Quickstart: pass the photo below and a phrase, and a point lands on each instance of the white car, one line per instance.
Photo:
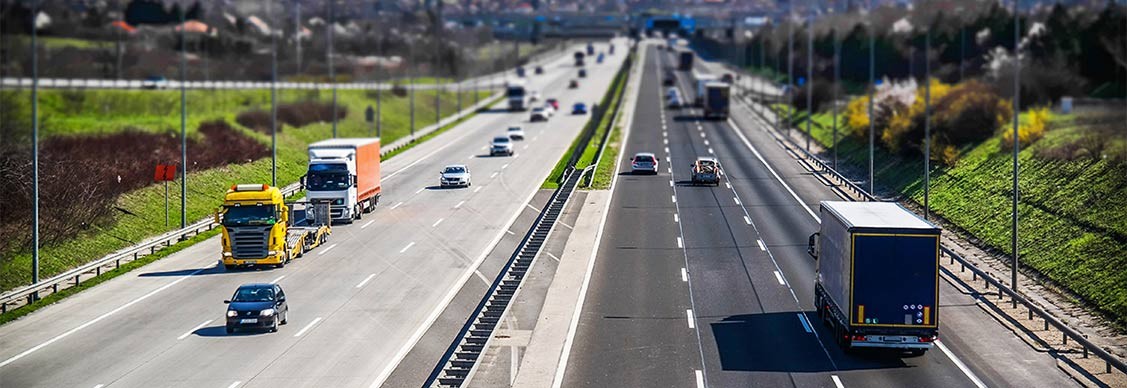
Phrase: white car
(644, 162)
(551, 110)
(455, 175)
(538, 114)
(516, 133)
(501, 145)
(674, 101)
(534, 96)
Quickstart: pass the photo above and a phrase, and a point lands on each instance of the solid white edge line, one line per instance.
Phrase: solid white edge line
(959, 363)
(366, 224)
(700, 378)
(561, 366)
(437, 222)
(779, 277)
(762, 246)
(98, 319)
(199, 326)
(736, 129)
(837, 381)
(307, 327)
(411, 244)
(365, 281)
(689, 316)
(684, 275)
(805, 325)
(326, 250)
(278, 279)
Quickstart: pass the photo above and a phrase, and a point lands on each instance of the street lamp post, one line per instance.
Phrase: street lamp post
(809, 79)
(273, 103)
(872, 87)
(1016, 144)
(927, 122)
(34, 147)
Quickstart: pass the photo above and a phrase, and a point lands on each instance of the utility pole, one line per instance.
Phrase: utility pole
(273, 100)
(297, 34)
(183, 127)
(837, 79)
(1016, 144)
(872, 87)
(927, 122)
(411, 86)
(332, 72)
(790, 68)
(809, 79)
(34, 146)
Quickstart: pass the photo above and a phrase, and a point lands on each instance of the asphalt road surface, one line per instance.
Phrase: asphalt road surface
(357, 304)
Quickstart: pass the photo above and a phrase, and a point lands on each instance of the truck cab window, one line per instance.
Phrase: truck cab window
(328, 177)
(249, 215)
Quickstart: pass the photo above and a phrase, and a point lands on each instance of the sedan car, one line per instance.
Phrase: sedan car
(539, 70)
(554, 103)
(501, 145)
(455, 175)
(573, 84)
(538, 114)
(516, 133)
(579, 109)
(257, 306)
(582, 73)
(644, 162)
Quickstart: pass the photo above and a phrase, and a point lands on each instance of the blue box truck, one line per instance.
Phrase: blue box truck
(877, 276)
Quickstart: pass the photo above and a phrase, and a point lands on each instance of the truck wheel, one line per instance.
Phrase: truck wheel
(917, 352)
(357, 212)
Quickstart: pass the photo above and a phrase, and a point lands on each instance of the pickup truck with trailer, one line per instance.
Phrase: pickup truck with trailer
(346, 173)
(259, 228)
(705, 170)
(877, 276)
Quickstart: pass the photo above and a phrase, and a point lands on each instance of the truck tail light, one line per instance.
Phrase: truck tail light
(858, 338)
(929, 338)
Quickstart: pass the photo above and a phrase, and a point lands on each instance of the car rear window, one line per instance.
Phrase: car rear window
(501, 139)
(643, 158)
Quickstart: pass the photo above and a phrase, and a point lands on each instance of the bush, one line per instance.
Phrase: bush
(257, 120)
(399, 90)
(1030, 131)
(906, 127)
(857, 116)
(300, 114)
(970, 112)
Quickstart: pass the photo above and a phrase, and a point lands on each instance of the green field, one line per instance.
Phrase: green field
(67, 113)
(1073, 213)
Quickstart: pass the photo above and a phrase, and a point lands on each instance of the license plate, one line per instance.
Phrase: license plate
(893, 339)
(251, 320)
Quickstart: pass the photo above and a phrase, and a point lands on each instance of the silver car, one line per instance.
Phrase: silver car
(455, 175)
(501, 145)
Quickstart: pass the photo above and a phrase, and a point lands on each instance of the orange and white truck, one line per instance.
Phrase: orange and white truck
(345, 173)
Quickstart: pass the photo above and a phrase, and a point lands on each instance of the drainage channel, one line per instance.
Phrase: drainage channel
(461, 359)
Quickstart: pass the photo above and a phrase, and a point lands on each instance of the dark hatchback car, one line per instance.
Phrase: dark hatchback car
(257, 306)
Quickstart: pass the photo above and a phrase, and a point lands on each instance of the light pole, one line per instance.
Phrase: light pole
(927, 121)
(1017, 143)
(872, 87)
(332, 72)
(790, 70)
(837, 79)
(34, 147)
(183, 128)
(809, 79)
(274, 99)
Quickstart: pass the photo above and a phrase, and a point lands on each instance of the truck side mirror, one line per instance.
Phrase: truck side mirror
(354, 181)
(813, 248)
(302, 180)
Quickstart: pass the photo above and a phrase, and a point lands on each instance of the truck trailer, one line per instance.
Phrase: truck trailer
(517, 95)
(877, 276)
(685, 58)
(717, 100)
(346, 173)
(260, 229)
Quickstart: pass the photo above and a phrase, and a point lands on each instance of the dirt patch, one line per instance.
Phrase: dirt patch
(300, 114)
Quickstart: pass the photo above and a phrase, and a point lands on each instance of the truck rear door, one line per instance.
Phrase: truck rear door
(895, 280)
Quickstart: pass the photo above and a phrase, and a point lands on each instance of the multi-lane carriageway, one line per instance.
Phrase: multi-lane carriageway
(358, 305)
(712, 286)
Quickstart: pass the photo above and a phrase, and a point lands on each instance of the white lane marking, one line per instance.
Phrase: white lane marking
(759, 156)
(234, 384)
(667, 150)
(684, 275)
(676, 218)
(779, 277)
(477, 189)
(680, 243)
(199, 326)
(326, 249)
(959, 363)
(711, 151)
(515, 156)
(417, 191)
(482, 277)
(278, 279)
(702, 135)
(805, 324)
(665, 141)
(98, 319)
(670, 183)
(705, 141)
(674, 197)
(529, 205)
(510, 232)
(729, 184)
(411, 245)
(506, 165)
(437, 222)
(471, 156)
(307, 327)
(689, 315)
(762, 246)
(397, 204)
(493, 175)
(525, 147)
(663, 132)
(700, 378)
(557, 259)
(459, 205)
(837, 381)
(366, 224)
(99, 386)
(736, 199)
(365, 281)
(670, 169)
(747, 220)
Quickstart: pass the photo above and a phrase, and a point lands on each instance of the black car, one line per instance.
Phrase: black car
(582, 73)
(539, 70)
(257, 306)
(669, 80)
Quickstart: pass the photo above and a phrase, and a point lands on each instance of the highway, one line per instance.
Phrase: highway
(357, 305)
(712, 286)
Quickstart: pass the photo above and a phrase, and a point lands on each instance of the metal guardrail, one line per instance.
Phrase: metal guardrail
(1067, 332)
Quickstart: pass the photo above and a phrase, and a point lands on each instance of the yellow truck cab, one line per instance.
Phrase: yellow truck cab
(258, 230)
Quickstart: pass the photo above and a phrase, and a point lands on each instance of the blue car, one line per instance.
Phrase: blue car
(579, 109)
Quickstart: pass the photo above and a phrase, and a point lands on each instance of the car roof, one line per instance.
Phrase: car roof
(257, 285)
(515, 129)
(702, 158)
(455, 165)
(643, 154)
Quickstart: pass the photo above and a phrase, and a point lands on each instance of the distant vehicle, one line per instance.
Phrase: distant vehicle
(599, 59)
(699, 87)
(610, 50)
(155, 82)
(259, 228)
(533, 96)
(685, 62)
(538, 114)
(539, 70)
(579, 56)
(573, 84)
(877, 276)
(257, 306)
(675, 101)
(705, 170)
(579, 109)
(347, 173)
(717, 100)
(549, 108)
(644, 162)
(590, 48)
(582, 73)
(456, 175)
(670, 79)
(671, 91)
(727, 77)
(516, 133)
(520, 71)
(517, 95)
(554, 103)
(501, 145)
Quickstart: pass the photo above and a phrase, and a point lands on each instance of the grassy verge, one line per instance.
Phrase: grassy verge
(1073, 213)
(605, 172)
(141, 212)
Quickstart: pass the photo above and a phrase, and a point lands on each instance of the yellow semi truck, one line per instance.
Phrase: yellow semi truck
(260, 228)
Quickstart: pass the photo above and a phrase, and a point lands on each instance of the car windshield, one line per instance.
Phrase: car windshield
(455, 170)
(538, 110)
(248, 215)
(501, 139)
(253, 294)
(514, 129)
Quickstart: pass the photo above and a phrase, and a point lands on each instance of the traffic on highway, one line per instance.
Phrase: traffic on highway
(633, 199)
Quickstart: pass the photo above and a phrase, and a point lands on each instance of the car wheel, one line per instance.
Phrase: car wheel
(274, 327)
(917, 352)
(230, 330)
(286, 317)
